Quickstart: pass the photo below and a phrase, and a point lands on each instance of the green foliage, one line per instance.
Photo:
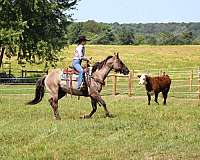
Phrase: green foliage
(37, 28)
(125, 36)
(128, 34)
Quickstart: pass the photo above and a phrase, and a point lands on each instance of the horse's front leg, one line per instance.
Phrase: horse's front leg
(94, 109)
(102, 102)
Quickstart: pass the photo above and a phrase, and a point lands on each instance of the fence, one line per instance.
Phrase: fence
(185, 84)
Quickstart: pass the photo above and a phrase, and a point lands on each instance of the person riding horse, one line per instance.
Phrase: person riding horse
(79, 56)
(58, 88)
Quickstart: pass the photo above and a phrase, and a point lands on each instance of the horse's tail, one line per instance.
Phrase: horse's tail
(39, 91)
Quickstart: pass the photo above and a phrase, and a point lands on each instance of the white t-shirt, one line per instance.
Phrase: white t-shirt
(79, 52)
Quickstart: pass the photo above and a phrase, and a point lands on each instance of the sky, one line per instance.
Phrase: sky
(138, 11)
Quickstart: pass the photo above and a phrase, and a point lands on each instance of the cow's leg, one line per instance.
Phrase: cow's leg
(94, 108)
(54, 104)
(165, 96)
(149, 97)
(156, 97)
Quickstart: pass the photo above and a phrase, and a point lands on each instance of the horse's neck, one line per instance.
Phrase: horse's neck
(102, 73)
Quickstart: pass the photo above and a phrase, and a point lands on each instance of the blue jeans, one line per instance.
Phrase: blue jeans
(77, 65)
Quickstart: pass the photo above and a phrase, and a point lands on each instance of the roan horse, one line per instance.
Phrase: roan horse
(58, 88)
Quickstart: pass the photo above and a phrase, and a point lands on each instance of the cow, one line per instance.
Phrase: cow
(156, 85)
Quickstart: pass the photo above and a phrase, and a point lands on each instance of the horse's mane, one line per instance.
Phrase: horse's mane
(99, 65)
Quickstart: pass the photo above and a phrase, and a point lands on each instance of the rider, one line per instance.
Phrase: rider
(79, 56)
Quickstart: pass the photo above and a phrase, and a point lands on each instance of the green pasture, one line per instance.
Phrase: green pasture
(137, 131)
(144, 58)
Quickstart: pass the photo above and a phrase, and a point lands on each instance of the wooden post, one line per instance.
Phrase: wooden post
(9, 73)
(199, 84)
(191, 78)
(22, 73)
(106, 81)
(114, 84)
(25, 73)
(130, 84)
(161, 73)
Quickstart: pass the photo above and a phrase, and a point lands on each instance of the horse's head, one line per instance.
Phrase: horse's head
(119, 66)
(113, 62)
(143, 79)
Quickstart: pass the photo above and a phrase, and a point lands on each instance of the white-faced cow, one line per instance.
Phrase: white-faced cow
(155, 85)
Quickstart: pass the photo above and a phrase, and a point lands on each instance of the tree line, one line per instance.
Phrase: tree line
(136, 34)
(36, 30)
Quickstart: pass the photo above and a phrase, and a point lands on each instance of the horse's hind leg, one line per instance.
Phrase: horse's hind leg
(61, 93)
(94, 108)
(54, 104)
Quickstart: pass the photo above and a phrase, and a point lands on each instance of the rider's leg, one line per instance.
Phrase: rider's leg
(78, 67)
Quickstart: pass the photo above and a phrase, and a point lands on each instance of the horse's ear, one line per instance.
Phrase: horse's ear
(117, 55)
(139, 76)
(114, 54)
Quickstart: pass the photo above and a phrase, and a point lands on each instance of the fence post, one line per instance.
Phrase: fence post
(199, 84)
(22, 73)
(114, 84)
(130, 83)
(191, 78)
(106, 81)
(161, 73)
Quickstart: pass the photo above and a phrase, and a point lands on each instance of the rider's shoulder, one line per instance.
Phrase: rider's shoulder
(79, 48)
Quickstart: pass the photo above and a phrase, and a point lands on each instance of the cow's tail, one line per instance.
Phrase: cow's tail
(39, 91)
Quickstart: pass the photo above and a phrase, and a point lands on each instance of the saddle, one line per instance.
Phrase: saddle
(70, 70)
(70, 75)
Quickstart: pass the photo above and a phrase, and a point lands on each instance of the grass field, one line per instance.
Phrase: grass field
(138, 131)
(135, 57)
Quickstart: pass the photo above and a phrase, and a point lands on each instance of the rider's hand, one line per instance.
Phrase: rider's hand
(88, 60)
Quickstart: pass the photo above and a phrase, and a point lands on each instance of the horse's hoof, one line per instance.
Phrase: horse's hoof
(110, 115)
(57, 118)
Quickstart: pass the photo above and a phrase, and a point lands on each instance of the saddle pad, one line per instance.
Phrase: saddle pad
(67, 77)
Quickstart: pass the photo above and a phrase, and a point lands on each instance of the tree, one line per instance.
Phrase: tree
(125, 36)
(11, 28)
(74, 31)
(36, 27)
(106, 37)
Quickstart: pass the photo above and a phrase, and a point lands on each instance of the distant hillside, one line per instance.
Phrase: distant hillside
(135, 34)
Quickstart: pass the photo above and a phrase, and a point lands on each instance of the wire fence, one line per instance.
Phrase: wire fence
(185, 84)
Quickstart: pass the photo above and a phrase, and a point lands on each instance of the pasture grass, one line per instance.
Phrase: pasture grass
(143, 57)
(138, 131)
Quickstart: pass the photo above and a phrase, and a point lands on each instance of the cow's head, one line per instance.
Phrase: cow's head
(143, 79)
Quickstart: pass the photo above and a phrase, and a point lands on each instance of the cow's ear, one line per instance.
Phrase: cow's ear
(139, 76)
